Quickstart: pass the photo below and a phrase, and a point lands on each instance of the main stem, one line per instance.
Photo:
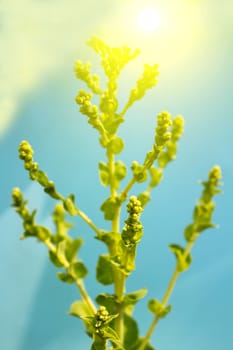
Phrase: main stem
(119, 278)
(166, 297)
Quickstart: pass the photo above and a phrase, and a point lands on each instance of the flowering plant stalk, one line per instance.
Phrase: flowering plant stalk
(108, 319)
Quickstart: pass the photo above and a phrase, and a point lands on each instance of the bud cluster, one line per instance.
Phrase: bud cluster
(203, 211)
(84, 100)
(26, 154)
(91, 111)
(163, 124)
(133, 229)
(113, 58)
(169, 153)
(147, 81)
(20, 204)
(17, 197)
(29, 225)
(211, 186)
(82, 72)
(177, 128)
(101, 318)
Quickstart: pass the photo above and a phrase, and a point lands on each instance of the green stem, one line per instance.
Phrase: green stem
(78, 282)
(119, 292)
(119, 288)
(119, 278)
(166, 297)
(85, 296)
(125, 109)
(88, 221)
(124, 193)
(111, 162)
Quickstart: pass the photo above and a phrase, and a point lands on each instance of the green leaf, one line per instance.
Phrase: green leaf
(183, 260)
(156, 176)
(189, 232)
(97, 345)
(51, 190)
(109, 301)
(129, 258)
(104, 270)
(78, 270)
(120, 171)
(43, 233)
(29, 233)
(53, 258)
(110, 334)
(111, 239)
(80, 309)
(158, 309)
(61, 252)
(104, 173)
(134, 297)
(130, 332)
(71, 249)
(110, 318)
(69, 205)
(67, 250)
(144, 198)
(139, 172)
(111, 124)
(65, 277)
(116, 145)
(42, 178)
(109, 208)
(200, 227)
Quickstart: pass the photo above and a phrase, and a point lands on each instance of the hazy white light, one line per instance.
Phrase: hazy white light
(149, 20)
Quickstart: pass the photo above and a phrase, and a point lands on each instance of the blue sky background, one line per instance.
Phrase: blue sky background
(40, 41)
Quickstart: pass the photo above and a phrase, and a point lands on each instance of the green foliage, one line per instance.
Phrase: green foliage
(158, 309)
(104, 270)
(203, 211)
(109, 207)
(183, 259)
(133, 297)
(111, 325)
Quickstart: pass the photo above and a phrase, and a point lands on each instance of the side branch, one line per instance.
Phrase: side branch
(78, 281)
(166, 297)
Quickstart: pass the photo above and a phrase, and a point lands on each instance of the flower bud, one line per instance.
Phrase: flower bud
(17, 196)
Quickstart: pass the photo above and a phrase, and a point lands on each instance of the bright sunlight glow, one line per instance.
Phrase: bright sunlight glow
(149, 20)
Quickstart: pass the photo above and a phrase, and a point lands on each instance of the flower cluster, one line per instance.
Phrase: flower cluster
(82, 72)
(91, 111)
(26, 154)
(133, 229)
(163, 124)
(84, 100)
(113, 58)
(202, 214)
(31, 229)
(169, 153)
(162, 136)
(101, 317)
(147, 81)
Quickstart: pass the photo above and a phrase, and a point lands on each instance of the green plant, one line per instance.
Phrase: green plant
(111, 324)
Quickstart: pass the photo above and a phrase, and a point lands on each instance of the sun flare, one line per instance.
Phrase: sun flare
(149, 20)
